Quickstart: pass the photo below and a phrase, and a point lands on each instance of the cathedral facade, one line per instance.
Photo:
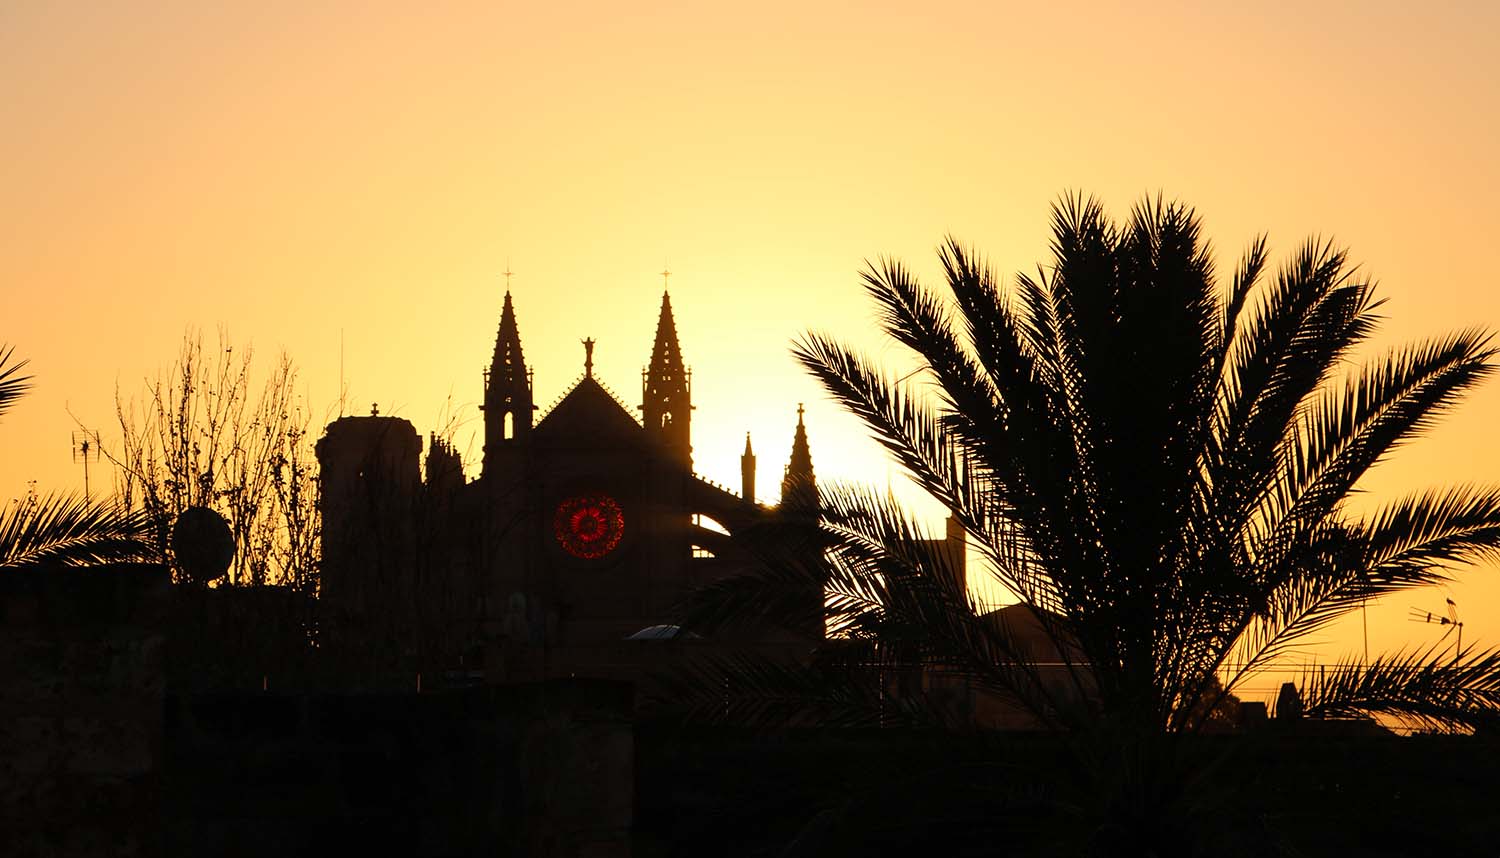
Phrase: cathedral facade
(571, 552)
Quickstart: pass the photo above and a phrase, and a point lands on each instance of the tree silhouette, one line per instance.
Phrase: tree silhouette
(60, 529)
(201, 435)
(1158, 470)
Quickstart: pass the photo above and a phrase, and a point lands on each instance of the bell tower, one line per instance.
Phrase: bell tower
(667, 390)
(507, 392)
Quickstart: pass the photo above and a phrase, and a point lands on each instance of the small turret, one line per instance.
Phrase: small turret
(747, 472)
(444, 469)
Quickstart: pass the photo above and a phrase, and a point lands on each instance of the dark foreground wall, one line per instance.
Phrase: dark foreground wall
(557, 769)
(544, 769)
(81, 710)
(1309, 791)
(95, 759)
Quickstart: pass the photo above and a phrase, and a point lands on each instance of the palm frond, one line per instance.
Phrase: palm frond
(1423, 688)
(912, 432)
(1291, 343)
(1348, 431)
(1413, 542)
(13, 385)
(69, 530)
(1432, 530)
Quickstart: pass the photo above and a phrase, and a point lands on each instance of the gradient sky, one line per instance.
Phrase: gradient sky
(294, 170)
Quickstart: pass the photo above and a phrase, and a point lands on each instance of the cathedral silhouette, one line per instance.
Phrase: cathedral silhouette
(571, 552)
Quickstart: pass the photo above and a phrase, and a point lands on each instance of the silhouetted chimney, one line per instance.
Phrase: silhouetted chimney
(1288, 702)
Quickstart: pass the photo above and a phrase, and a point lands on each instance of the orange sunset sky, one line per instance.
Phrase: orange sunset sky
(297, 170)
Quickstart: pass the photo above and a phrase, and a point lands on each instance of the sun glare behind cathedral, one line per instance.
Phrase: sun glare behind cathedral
(586, 527)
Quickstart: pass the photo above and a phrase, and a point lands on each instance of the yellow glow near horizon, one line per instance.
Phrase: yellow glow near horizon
(298, 171)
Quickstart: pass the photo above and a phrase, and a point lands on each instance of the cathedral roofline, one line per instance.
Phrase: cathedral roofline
(581, 382)
(589, 410)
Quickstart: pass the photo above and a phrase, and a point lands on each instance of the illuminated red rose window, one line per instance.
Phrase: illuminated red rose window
(589, 526)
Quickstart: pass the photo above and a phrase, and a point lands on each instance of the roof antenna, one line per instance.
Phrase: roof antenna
(85, 447)
(1417, 615)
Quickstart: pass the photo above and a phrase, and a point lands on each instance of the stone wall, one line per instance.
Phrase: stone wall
(81, 710)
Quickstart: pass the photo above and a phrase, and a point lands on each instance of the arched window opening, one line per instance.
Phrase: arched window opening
(708, 523)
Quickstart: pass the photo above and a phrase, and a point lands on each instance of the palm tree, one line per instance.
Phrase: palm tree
(1157, 469)
(60, 529)
(13, 385)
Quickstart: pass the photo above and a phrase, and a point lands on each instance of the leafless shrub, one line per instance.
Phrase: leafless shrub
(202, 434)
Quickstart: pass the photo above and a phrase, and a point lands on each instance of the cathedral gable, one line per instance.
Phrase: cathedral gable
(589, 415)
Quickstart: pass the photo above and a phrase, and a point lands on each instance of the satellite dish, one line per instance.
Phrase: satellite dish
(202, 543)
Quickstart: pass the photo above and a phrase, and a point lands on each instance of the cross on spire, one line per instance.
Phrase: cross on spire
(507, 272)
(665, 273)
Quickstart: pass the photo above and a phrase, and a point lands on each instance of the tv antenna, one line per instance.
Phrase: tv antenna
(85, 447)
(1448, 619)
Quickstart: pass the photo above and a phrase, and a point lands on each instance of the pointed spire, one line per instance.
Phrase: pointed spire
(801, 465)
(507, 388)
(747, 472)
(799, 479)
(508, 363)
(666, 389)
(666, 354)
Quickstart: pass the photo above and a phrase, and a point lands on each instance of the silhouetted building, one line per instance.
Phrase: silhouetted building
(585, 528)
